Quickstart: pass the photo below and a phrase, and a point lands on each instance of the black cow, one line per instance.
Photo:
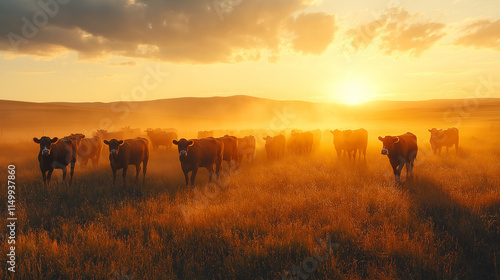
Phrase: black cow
(400, 150)
(56, 154)
(123, 153)
(196, 153)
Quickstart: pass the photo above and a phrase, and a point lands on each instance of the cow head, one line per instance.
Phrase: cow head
(388, 142)
(336, 132)
(45, 144)
(114, 146)
(77, 137)
(183, 146)
(268, 139)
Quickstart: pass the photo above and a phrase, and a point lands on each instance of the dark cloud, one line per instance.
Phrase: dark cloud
(481, 34)
(397, 31)
(193, 31)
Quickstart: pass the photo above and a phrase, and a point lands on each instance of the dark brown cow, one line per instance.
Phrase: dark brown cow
(275, 146)
(205, 134)
(230, 150)
(246, 147)
(354, 141)
(400, 150)
(301, 142)
(196, 153)
(89, 149)
(161, 138)
(56, 154)
(129, 152)
(443, 138)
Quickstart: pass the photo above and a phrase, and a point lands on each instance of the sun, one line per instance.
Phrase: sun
(353, 92)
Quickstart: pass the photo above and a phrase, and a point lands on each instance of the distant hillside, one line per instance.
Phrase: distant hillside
(23, 119)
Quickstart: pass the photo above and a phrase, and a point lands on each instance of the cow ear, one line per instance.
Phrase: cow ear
(190, 143)
(36, 140)
(83, 136)
(380, 138)
(53, 140)
(396, 140)
(120, 142)
(106, 142)
(175, 142)
(429, 130)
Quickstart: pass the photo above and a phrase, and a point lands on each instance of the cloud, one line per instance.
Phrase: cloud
(397, 31)
(188, 31)
(313, 32)
(481, 34)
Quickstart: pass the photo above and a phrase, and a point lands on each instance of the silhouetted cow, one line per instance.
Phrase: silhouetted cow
(106, 135)
(443, 138)
(230, 150)
(301, 142)
(205, 134)
(56, 154)
(400, 150)
(161, 138)
(129, 152)
(275, 146)
(338, 141)
(246, 147)
(354, 141)
(196, 153)
(90, 149)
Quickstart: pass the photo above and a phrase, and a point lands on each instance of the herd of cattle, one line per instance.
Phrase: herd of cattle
(209, 152)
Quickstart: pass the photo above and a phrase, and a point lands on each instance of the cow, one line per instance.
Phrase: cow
(230, 150)
(317, 135)
(205, 134)
(301, 142)
(77, 137)
(196, 153)
(123, 153)
(443, 138)
(354, 141)
(89, 149)
(275, 146)
(338, 141)
(56, 153)
(400, 150)
(105, 135)
(161, 138)
(246, 147)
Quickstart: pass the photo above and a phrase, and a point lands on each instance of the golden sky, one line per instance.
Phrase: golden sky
(312, 50)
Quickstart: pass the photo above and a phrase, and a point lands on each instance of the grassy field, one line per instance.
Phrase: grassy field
(308, 217)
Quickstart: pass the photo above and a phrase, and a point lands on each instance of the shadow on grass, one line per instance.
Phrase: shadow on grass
(460, 229)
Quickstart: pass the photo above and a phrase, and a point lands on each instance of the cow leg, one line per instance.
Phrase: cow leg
(137, 170)
(44, 178)
(49, 175)
(124, 175)
(210, 173)
(186, 177)
(114, 176)
(64, 171)
(144, 168)
(71, 171)
(193, 176)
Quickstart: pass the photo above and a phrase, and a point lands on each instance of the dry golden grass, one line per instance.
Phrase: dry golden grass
(264, 219)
